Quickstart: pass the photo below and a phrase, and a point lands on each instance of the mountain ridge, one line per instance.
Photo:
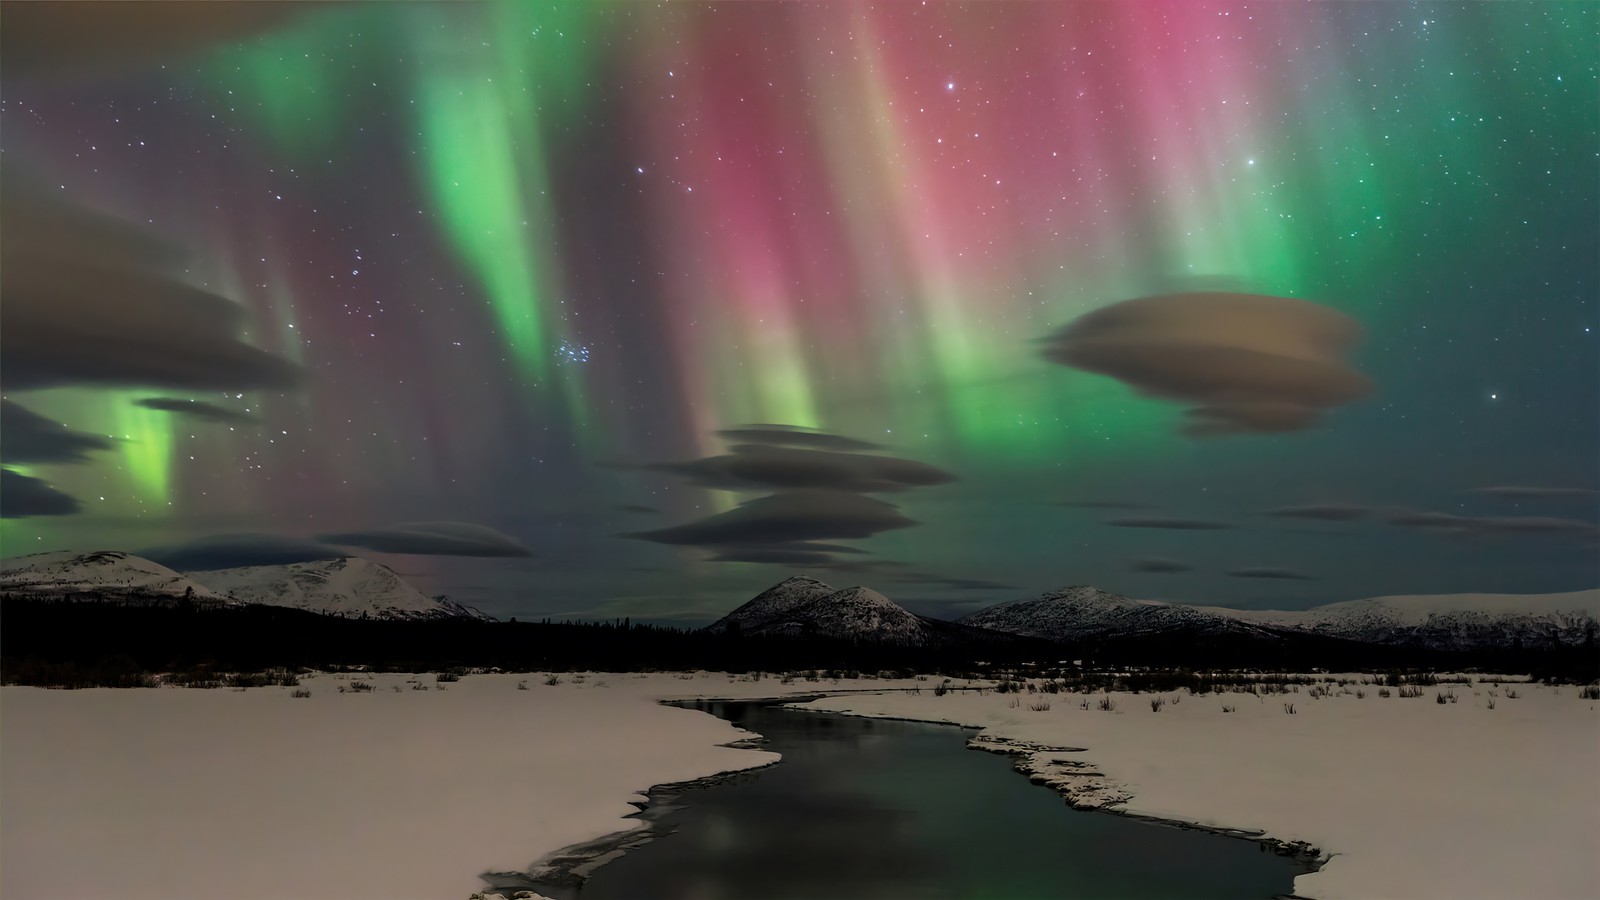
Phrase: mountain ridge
(346, 586)
(1441, 621)
(107, 573)
(800, 606)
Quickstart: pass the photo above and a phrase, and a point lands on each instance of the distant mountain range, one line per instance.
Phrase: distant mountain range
(1085, 616)
(350, 587)
(1085, 619)
(1444, 621)
(1438, 622)
(805, 607)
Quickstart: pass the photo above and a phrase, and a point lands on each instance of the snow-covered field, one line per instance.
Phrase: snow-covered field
(180, 793)
(173, 793)
(1413, 799)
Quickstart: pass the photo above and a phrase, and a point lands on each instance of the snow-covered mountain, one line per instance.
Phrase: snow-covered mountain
(351, 586)
(107, 573)
(1083, 613)
(809, 608)
(1445, 621)
(772, 604)
(855, 613)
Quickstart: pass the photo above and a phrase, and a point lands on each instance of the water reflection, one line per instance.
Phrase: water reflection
(864, 808)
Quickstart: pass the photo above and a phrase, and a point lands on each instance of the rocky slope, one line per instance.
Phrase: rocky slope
(1085, 613)
(805, 607)
(772, 604)
(351, 587)
(109, 574)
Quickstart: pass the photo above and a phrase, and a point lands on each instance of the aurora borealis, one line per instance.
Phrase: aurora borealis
(527, 254)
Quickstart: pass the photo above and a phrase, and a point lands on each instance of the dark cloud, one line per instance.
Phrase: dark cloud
(790, 436)
(1104, 504)
(762, 467)
(800, 554)
(821, 548)
(636, 508)
(785, 518)
(432, 539)
(22, 496)
(772, 556)
(1416, 519)
(1474, 526)
(232, 551)
(877, 568)
(90, 300)
(957, 584)
(198, 409)
(87, 38)
(1175, 524)
(1259, 572)
(1327, 512)
(820, 491)
(27, 437)
(1246, 363)
(1158, 565)
(1526, 492)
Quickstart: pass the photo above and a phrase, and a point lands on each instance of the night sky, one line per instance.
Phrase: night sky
(641, 308)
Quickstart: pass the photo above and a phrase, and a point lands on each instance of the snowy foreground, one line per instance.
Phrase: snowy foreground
(180, 793)
(1411, 798)
(174, 793)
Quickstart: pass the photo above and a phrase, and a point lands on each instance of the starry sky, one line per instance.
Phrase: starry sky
(633, 309)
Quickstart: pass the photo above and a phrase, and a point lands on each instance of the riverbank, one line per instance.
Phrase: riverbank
(1404, 797)
(866, 808)
(397, 786)
(383, 786)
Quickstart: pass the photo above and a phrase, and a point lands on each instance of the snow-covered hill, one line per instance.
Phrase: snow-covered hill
(772, 604)
(805, 607)
(855, 613)
(1083, 613)
(351, 587)
(1445, 621)
(107, 573)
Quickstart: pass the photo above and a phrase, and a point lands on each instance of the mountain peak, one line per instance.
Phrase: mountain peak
(799, 580)
(772, 603)
(859, 594)
(346, 586)
(804, 606)
(108, 573)
(1082, 611)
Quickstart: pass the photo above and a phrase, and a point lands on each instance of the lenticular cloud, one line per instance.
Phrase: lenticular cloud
(1246, 363)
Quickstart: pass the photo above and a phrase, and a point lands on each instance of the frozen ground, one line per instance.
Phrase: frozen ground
(179, 793)
(1413, 798)
(172, 793)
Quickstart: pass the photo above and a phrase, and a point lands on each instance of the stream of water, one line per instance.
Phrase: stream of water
(870, 808)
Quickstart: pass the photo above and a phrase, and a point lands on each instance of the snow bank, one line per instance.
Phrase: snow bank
(1413, 799)
(176, 794)
(172, 793)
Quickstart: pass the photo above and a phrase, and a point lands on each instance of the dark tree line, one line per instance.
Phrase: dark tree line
(121, 642)
(115, 642)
